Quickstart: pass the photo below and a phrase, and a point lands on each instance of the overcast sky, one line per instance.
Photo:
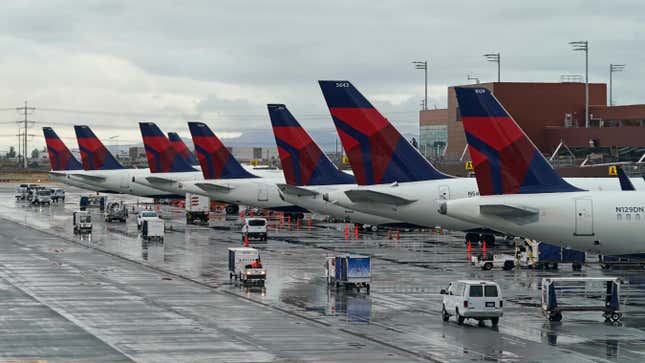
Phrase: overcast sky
(110, 64)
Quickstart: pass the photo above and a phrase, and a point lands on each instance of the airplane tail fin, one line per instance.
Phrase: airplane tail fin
(504, 158)
(215, 159)
(377, 152)
(94, 154)
(162, 156)
(60, 157)
(182, 149)
(303, 162)
(625, 182)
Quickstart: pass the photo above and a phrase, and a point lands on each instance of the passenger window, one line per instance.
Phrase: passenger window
(476, 291)
(628, 217)
(490, 291)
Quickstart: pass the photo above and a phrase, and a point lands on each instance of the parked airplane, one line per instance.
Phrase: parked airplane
(63, 162)
(102, 169)
(522, 195)
(226, 180)
(309, 173)
(395, 180)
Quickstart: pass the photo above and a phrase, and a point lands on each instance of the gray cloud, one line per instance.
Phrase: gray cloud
(170, 61)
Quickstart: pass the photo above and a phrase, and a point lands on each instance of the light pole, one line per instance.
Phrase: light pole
(613, 68)
(583, 45)
(495, 57)
(471, 77)
(113, 138)
(423, 65)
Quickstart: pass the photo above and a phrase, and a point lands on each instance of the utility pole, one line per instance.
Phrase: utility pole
(495, 58)
(613, 68)
(26, 111)
(583, 45)
(423, 65)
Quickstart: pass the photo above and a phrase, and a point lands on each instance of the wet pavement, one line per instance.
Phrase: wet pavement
(114, 297)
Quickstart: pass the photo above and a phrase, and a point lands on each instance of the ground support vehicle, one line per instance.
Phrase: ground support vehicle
(487, 262)
(93, 201)
(197, 209)
(153, 230)
(42, 196)
(32, 189)
(348, 270)
(254, 228)
(241, 266)
(82, 222)
(622, 261)
(21, 192)
(116, 211)
(145, 215)
(540, 255)
(58, 194)
(472, 299)
(561, 294)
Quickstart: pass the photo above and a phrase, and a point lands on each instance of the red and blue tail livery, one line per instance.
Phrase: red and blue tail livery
(215, 159)
(303, 162)
(377, 152)
(182, 149)
(504, 158)
(162, 156)
(94, 154)
(60, 157)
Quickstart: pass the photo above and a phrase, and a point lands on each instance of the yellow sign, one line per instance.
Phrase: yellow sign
(254, 163)
(469, 165)
(612, 170)
(345, 160)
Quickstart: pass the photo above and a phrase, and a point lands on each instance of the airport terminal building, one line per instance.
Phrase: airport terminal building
(550, 114)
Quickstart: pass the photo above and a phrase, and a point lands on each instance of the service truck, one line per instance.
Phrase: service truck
(116, 211)
(539, 255)
(82, 222)
(254, 227)
(153, 230)
(197, 209)
(244, 264)
(349, 270)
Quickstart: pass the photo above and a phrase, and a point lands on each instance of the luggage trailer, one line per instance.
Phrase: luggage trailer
(561, 294)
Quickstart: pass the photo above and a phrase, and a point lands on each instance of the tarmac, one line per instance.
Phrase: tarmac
(111, 297)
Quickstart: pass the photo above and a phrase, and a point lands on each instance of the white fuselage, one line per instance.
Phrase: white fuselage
(428, 195)
(609, 222)
(316, 203)
(63, 178)
(120, 180)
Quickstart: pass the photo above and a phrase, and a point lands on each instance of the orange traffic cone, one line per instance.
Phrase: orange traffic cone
(398, 234)
(469, 247)
(297, 223)
(484, 248)
(355, 231)
(251, 213)
(389, 233)
(346, 231)
(289, 221)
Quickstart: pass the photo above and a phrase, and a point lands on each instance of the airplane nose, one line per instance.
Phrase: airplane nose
(443, 208)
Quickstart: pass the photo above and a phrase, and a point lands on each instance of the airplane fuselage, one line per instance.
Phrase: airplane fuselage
(610, 223)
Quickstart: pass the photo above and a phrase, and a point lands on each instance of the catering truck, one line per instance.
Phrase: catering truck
(349, 270)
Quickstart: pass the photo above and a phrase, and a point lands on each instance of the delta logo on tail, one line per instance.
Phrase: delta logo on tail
(60, 157)
(504, 158)
(182, 149)
(94, 154)
(377, 152)
(162, 156)
(303, 163)
(215, 159)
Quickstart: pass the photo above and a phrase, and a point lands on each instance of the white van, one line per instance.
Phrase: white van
(255, 228)
(472, 299)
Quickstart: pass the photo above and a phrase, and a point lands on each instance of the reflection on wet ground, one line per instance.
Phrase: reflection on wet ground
(403, 308)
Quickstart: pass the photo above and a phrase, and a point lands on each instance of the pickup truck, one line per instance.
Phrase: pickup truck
(145, 215)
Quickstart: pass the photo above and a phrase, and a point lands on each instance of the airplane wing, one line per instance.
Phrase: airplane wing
(508, 211)
(294, 190)
(214, 187)
(159, 180)
(52, 172)
(371, 196)
(91, 178)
